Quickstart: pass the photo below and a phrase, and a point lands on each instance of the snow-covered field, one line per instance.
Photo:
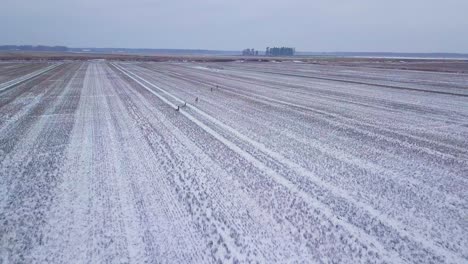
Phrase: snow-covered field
(11, 70)
(263, 162)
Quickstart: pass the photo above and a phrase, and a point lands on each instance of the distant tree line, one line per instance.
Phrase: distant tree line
(283, 51)
(33, 48)
(250, 52)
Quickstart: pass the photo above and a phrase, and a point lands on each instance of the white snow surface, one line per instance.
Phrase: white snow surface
(105, 162)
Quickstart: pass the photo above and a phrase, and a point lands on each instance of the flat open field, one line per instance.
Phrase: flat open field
(11, 71)
(263, 162)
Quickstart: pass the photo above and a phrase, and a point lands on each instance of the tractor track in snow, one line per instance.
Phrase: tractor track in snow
(98, 166)
(374, 214)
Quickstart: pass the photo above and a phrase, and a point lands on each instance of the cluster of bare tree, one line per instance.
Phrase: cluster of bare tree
(283, 51)
(250, 52)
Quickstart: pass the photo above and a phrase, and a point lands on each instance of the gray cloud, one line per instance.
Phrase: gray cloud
(322, 25)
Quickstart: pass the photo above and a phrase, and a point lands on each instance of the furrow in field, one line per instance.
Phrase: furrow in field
(374, 214)
(359, 104)
(12, 83)
(222, 217)
(9, 72)
(23, 106)
(115, 204)
(292, 125)
(282, 163)
(459, 92)
(16, 70)
(340, 229)
(351, 118)
(247, 239)
(369, 182)
(371, 99)
(31, 173)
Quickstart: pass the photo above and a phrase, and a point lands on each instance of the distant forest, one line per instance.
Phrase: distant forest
(142, 51)
(33, 48)
(275, 51)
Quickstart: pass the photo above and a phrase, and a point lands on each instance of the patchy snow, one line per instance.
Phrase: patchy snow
(285, 162)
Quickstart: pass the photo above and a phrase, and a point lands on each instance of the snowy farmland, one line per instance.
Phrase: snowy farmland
(143, 162)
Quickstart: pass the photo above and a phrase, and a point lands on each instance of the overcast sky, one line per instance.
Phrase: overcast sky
(308, 25)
